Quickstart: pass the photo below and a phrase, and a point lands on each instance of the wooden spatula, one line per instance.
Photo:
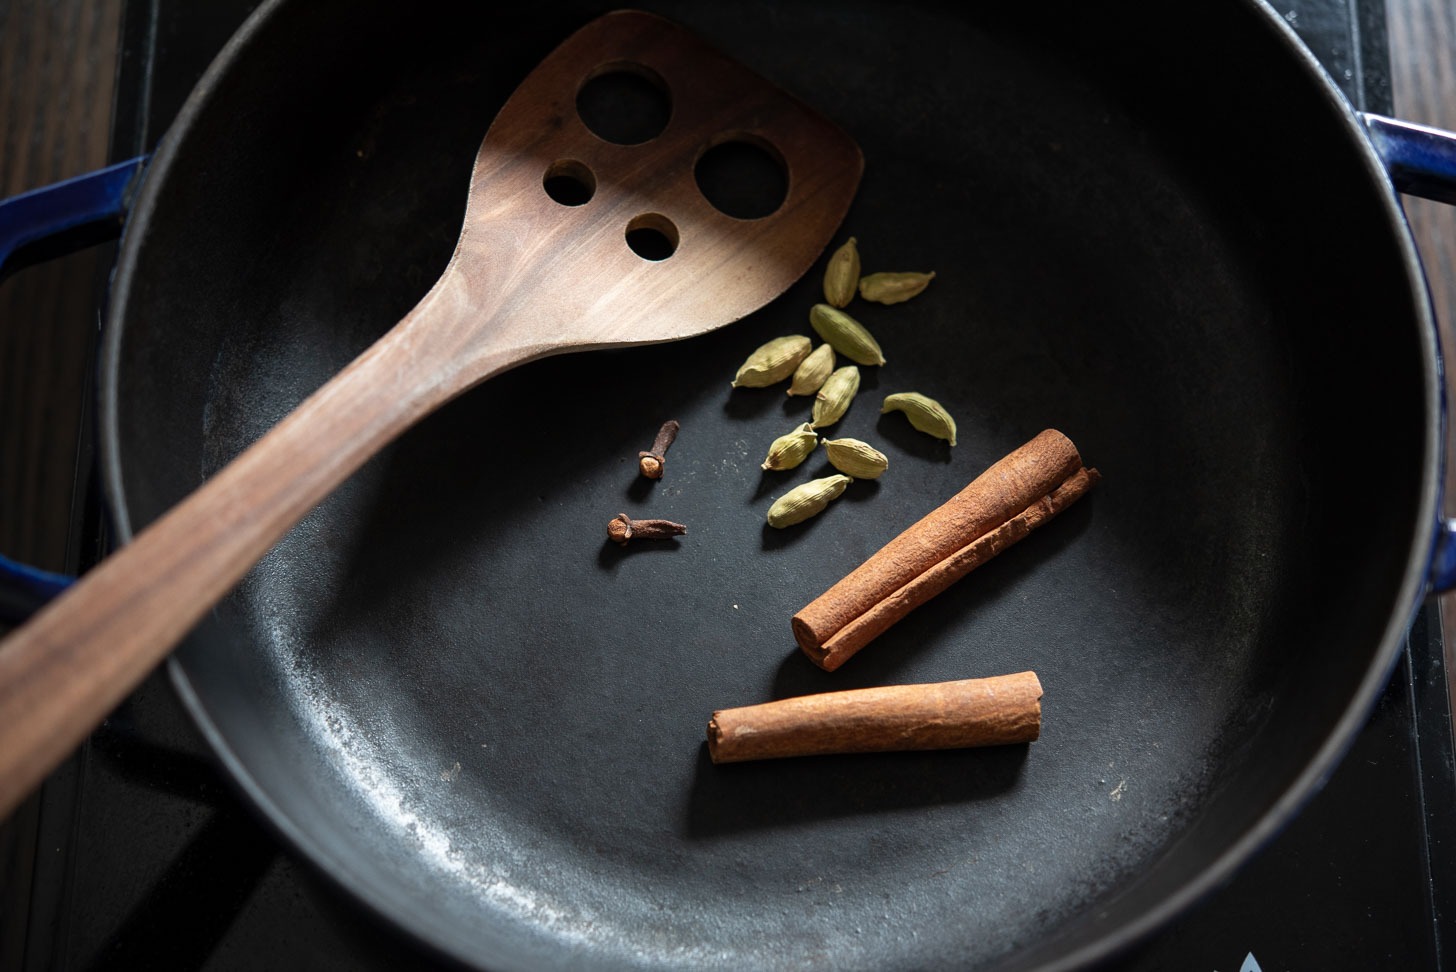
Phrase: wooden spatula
(529, 277)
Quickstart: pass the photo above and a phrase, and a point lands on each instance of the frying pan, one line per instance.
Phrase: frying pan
(449, 692)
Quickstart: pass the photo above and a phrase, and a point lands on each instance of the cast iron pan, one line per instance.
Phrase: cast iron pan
(451, 693)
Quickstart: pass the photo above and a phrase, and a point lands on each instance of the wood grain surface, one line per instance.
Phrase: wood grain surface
(58, 62)
(57, 66)
(1423, 77)
(1423, 81)
(57, 74)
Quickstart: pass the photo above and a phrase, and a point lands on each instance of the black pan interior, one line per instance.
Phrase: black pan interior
(471, 710)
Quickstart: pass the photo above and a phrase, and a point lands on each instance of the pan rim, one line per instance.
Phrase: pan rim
(1298, 791)
(1414, 585)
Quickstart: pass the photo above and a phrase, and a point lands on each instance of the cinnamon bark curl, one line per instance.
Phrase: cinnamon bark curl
(938, 715)
(1000, 507)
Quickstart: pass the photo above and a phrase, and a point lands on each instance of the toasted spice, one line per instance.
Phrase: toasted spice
(924, 413)
(847, 336)
(622, 528)
(812, 371)
(939, 715)
(893, 288)
(771, 363)
(787, 451)
(803, 502)
(653, 462)
(856, 458)
(832, 401)
(1000, 507)
(842, 274)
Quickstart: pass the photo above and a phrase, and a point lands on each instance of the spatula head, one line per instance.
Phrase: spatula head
(557, 276)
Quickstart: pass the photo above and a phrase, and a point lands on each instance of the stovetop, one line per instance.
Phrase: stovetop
(145, 857)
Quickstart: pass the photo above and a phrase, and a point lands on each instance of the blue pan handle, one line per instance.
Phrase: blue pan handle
(1422, 162)
(25, 590)
(97, 200)
(97, 203)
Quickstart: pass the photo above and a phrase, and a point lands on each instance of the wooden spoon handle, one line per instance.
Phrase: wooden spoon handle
(70, 665)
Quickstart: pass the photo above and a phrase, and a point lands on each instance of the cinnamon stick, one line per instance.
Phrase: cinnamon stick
(1000, 507)
(939, 715)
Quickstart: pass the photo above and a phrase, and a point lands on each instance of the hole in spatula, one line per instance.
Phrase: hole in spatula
(743, 176)
(570, 183)
(652, 236)
(625, 104)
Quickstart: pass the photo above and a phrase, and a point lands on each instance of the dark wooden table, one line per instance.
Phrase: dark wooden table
(1423, 74)
(57, 65)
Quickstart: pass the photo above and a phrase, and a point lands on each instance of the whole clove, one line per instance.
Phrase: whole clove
(652, 462)
(622, 529)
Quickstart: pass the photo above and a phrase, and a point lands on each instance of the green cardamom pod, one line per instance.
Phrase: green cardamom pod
(842, 274)
(926, 414)
(802, 502)
(855, 458)
(832, 401)
(893, 288)
(812, 371)
(847, 335)
(789, 450)
(773, 362)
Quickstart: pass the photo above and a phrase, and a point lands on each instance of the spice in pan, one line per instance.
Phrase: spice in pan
(832, 401)
(788, 450)
(925, 414)
(856, 458)
(812, 371)
(848, 336)
(805, 501)
(842, 274)
(652, 462)
(893, 288)
(622, 528)
(1000, 507)
(771, 363)
(940, 715)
